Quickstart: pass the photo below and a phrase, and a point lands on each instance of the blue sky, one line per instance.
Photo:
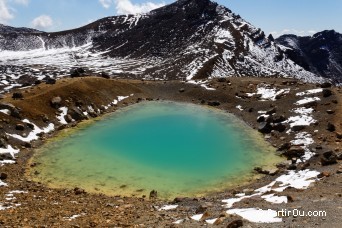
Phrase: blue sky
(302, 17)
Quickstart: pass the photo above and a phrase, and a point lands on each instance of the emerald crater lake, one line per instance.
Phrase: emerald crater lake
(174, 148)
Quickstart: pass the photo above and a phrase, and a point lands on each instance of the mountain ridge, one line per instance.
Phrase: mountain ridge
(320, 53)
(185, 40)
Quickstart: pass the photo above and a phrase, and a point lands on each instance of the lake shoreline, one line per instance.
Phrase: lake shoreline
(231, 96)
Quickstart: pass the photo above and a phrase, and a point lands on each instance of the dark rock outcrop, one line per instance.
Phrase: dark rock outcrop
(328, 158)
(294, 151)
(320, 54)
(265, 127)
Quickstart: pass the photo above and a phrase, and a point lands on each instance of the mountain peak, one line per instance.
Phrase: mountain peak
(188, 39)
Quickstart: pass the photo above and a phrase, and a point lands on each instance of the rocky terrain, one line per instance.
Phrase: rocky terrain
(320, 54)
(189, 51)
(301, 120)
(189, 39)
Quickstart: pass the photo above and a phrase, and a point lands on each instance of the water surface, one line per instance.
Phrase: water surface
(174, 148)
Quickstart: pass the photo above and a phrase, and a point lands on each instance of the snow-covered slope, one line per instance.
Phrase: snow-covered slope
(320, 53)
(189, 39)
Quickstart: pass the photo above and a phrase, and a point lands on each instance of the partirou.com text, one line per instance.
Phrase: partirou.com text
(300, 213)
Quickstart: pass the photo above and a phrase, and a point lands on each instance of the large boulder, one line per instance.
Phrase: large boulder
(278, 119)
(327, 93)
(105, 75)
(328, 158)
(331, 127)
(6, 156)
(68, 118)
(14, 111)
(271, 111)
(311, 104)
(279, 127)
(3, 176)
(326, 85)
(298, 127)
(56, 102)
(294, 151)
(51, 81)
(79, 72)
(265, 127)
(20, 127)
(76, 114)
(17, 95)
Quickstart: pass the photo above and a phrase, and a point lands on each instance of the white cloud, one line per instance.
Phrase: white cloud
(5, 13)
(293, 31)
(106, 3)
(42, 22)
(21, 2)
(127, 7)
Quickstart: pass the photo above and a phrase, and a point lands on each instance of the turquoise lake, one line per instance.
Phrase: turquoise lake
(174, 148)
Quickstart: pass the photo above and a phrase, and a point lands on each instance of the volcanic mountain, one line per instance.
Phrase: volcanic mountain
(189, 39)
(320, 54)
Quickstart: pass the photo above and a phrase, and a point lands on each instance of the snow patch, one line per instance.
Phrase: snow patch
(73, 217)
(178, 221)
(34, 133)
(2, 184)
(201, 83)
(308, 92)
(239, 107)
(211, 221)
(121, 98)
(9, 150)
(168, 207)
(60, 117)
(305, 139)
(299, 180)
(268, 93)
(257, 215)
(18, 192)
(275, 199)
(307, 100)
(197, 217)
(6, 111)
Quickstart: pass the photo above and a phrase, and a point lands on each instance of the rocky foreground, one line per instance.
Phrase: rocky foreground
(303, 121)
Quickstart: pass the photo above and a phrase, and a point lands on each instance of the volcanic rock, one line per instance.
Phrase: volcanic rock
(331, 127)
(56, 102)
(17, 95)
(20, 127)
(294, 151)
(327, 92)
(328, 158)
